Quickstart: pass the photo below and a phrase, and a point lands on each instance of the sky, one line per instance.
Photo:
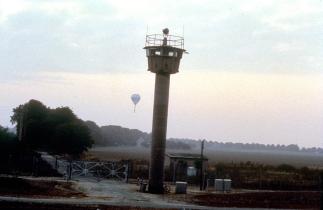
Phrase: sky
(254, 72)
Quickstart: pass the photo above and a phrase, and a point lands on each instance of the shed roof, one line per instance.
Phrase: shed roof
(185, 156)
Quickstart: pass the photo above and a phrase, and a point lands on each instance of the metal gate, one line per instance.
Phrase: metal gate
(93, 169)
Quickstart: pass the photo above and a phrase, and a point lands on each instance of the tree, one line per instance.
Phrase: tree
(96, 133)
(7, 141)
(69, 134)
(30, 119)
(71, 138)
(58, 131)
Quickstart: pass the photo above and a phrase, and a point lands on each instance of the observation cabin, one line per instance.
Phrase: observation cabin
(164, 52)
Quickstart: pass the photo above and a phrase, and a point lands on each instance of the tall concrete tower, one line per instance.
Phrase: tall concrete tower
(164, 53)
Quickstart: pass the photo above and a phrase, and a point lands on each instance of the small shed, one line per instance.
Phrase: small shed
(181, 165)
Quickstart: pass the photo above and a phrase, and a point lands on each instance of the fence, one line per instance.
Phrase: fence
(118, 170)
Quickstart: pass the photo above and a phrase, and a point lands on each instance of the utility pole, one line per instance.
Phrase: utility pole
(202, 168)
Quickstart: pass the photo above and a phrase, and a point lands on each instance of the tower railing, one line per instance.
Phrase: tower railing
(157, 40)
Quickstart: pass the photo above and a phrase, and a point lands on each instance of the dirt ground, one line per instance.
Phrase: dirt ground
(280, 200)
(107, 193)
(38, 206)
(13, 186)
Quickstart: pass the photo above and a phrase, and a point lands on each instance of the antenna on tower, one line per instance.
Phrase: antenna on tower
(183, 31)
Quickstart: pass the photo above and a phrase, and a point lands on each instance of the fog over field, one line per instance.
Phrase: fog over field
(296, 159)
(116, 142)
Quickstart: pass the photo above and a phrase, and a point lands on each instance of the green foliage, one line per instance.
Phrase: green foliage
(6, 136)
(71, 138)
(30, 119)
(8, 141)
(96, 133)
(119, 136)
(55, 130)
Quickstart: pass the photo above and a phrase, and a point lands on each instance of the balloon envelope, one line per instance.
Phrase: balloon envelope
(135, 98)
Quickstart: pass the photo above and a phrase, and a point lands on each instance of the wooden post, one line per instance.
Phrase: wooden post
(202, 164)
(174, 161)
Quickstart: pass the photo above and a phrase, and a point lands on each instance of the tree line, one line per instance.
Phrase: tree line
(58, 130)
(112, 135)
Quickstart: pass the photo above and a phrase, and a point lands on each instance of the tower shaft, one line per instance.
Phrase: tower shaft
(159, 130)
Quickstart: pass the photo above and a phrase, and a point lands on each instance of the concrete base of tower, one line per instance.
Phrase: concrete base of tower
(156, 188)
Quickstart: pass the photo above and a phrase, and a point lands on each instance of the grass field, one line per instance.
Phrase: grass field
(296, 159)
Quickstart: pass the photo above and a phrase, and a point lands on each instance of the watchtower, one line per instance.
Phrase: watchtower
(164, 53)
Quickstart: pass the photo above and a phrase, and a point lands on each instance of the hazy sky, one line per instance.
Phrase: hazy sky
(254, 72)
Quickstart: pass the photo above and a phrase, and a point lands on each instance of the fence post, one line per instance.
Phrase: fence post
(33, 165)
(9, 164)
(69, 171)
(56, 163)
(127, 171)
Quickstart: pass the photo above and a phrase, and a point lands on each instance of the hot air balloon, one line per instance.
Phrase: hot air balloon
(135, 99)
